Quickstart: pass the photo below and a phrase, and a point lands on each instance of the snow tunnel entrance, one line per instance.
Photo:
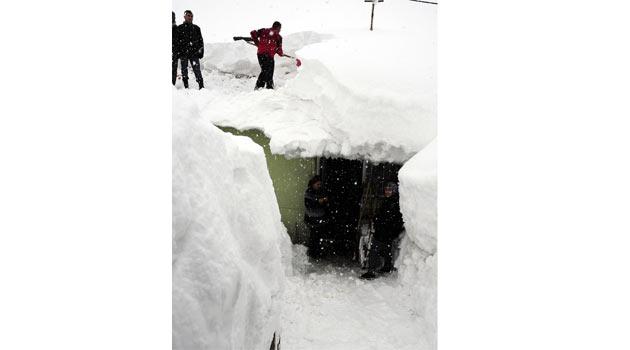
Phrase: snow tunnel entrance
(356, 190)
(355, 187)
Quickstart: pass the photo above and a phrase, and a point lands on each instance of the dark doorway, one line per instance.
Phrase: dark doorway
(355, 189)
(343, 180)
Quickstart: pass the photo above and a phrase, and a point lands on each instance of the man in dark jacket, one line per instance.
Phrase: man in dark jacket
(269, 44)
(315, 214)
(175, 45)
(388, 224)
(190, 48)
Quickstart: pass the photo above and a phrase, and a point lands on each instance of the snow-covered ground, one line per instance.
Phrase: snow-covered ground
(327, 306)
(358, 94)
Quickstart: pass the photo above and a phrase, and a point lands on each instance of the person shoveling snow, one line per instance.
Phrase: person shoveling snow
(269, 43)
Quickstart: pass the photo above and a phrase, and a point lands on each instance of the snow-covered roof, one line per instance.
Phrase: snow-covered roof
(358, 94)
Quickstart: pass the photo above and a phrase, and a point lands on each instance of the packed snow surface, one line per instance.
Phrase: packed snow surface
(358, 94)
(327, 306)
(230, 250)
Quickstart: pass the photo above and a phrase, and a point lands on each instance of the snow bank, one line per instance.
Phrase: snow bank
(230, 250)
(239, 58)
(359, 93)
(418, 258)
(315, 115)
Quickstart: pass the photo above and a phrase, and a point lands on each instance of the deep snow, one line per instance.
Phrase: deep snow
(358, 94)
(417, 262)
(323, 305)
(230, 250)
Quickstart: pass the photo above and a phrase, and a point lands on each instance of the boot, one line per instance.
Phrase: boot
(200, 84)
(368, 275)
(387, 269)
(185, 83)
(387, 266)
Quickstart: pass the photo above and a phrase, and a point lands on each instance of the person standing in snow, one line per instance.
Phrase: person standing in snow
(175, 46)
(388, 224)
(190, 48)
(315, 214)
(269, 44)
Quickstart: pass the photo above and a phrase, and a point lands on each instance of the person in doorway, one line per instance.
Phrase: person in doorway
(269, 44)
(388, 224)
(190, 48)
(175, 47)
(315, 214)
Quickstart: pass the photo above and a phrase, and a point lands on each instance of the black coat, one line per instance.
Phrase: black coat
(315, 213)
(388, 221)
(190, 41)
(175, 42)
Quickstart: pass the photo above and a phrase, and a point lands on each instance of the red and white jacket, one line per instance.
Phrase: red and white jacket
(268, 40)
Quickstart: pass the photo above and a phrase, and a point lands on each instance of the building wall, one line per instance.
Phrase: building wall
(290, 179)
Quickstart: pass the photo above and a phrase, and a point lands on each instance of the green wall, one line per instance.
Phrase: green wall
(290, 179)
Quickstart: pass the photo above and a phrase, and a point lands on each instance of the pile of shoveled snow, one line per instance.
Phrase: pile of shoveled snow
(314, 114)
(230, 250)
(239, 58)
(417, 262)
(358, 94)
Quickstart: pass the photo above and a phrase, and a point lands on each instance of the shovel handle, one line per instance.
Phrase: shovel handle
(247, 39)
(250, 41)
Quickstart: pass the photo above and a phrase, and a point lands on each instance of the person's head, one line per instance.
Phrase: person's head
(315, 182)
(390, 189)
(173, 17)
(188, 16)
(276, 26)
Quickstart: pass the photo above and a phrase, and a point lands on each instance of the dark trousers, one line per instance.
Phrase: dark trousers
(266, 71)
(380, 249)
(174, 66)
(315, 235)
(196, 69)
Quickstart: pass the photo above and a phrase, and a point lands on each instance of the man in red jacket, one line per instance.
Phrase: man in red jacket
(269, 44)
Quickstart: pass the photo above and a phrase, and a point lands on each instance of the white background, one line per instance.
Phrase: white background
(534, 175)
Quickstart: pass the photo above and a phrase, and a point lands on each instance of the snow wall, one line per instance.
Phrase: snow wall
(230, 250)
(417, 262)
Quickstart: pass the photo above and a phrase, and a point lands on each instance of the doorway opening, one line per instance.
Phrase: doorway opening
(356, 190)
